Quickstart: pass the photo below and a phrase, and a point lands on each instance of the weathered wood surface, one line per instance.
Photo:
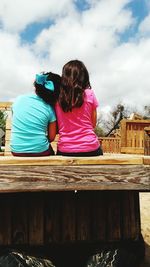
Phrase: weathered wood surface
(120, 172)
(57, 178)
(57, 217)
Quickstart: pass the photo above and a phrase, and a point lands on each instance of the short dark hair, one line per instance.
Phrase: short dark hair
(50, 97)
(75, 79)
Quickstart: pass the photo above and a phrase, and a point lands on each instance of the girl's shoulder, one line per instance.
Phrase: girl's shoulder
(24, 96)
(89, 92)
(26, 99)
(89, 96)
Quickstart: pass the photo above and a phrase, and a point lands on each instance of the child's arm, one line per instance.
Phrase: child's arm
(52, 128)
(94, 117)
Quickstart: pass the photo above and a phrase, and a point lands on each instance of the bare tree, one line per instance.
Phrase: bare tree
(146, 114)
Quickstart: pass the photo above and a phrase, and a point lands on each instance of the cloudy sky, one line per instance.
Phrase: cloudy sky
(112, 38)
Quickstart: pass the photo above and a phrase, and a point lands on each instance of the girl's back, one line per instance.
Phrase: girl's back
(31, 116)
(75, 128)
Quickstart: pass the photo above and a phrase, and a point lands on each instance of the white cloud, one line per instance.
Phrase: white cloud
(118, 71)
(144, 27)
(17, 14)
(17, 68)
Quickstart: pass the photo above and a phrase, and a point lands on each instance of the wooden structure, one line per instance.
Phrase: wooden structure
(131, 140)
(132, 136)
(61, 203)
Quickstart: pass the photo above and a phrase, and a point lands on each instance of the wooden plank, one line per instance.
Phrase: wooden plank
(68, 230)
(130, 215)
(98, 215)
(5, 219)
(36, 220)
(123, 133)
(57, 178)
(132, 150)
(147, 122)
(53, 217)
(113, 159)
(20, 209)
(83, 216)
(113, 218)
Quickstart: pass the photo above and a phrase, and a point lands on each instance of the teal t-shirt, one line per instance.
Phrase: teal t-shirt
(31, 116)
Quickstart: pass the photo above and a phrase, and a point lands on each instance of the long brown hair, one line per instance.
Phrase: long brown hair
(75, 79)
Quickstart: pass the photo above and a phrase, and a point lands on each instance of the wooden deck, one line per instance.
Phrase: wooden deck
(57, 173)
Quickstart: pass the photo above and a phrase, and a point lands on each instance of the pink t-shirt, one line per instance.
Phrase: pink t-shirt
(76, 133)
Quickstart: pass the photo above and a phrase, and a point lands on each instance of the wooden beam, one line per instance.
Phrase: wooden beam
(57, 173)
(113, 159)
(132, 150)
(63, 178)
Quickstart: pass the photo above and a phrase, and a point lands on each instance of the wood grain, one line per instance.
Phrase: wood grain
(57, 178)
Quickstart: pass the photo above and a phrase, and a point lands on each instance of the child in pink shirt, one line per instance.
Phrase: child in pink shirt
(76, 113)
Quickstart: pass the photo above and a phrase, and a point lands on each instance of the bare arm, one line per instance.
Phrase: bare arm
(52, 131)
(94, 118)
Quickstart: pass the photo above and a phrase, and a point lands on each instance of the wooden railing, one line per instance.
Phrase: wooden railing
(111, 144)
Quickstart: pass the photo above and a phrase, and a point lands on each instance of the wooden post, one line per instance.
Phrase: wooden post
(147, 141)
(123, 134)
(6, 106)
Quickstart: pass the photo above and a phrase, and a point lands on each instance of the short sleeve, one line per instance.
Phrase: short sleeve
(52, 117)
(91, 98)
(95, 101)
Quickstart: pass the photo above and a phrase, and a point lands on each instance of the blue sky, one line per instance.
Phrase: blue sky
(31, 31)
(112, 38)
(139, 11)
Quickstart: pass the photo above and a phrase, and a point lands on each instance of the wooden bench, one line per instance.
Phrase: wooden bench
(70, 207)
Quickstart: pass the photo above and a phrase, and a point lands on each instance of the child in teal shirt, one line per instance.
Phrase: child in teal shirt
(34, 120)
